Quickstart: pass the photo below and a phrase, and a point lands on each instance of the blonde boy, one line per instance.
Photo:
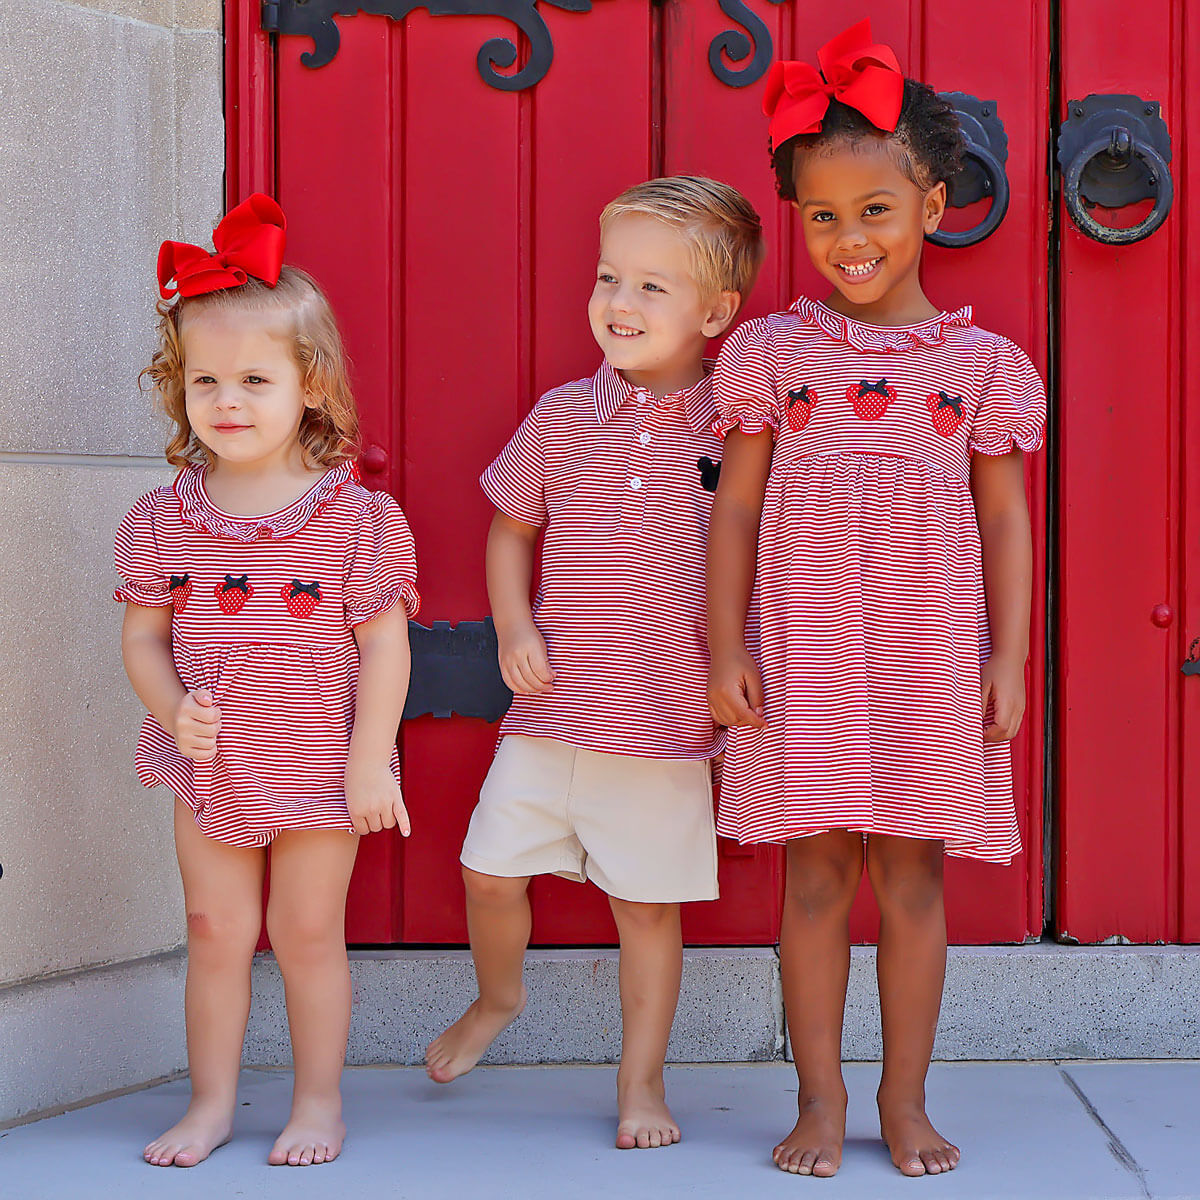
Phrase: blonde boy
(603, 768)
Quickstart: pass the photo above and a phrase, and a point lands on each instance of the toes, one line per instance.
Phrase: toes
(824, 1167)
(912, 1166)
(278, 1157)
(626, 1140)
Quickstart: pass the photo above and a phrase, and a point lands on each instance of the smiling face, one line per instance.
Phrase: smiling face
(864, 224)
(243, 391)
(646, 311)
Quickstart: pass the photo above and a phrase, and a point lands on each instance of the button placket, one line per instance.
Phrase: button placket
(637, 475)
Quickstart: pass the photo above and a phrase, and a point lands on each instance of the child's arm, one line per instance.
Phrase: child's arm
(190, 718)
(998, 485)
(524, 663)
(735, 686)
(372, 794)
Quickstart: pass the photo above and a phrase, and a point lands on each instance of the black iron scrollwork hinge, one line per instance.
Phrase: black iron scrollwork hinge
(315, 19)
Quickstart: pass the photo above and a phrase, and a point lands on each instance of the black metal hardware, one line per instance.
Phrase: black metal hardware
(736, 46)
(1191, 664)
(985, 151)
(315, 19)
(1115, 150)
(455, 670)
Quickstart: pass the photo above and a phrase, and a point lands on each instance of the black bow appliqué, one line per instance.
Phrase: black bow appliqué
(801, 395)
(954, 402)
(310, 589)
(865, 388)
(710, 473)
(236, 583)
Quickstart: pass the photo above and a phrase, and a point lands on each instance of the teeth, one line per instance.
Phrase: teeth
(624, 331)
(864, 268)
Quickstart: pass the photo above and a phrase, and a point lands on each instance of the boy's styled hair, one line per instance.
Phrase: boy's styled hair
(329, 431)
(719, 223)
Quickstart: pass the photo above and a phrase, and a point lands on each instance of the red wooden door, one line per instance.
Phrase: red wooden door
(454, 225)
(1128, 854)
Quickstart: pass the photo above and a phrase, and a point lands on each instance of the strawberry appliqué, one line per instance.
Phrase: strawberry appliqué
(180, 590)
(946, 411)
(233, 593)
(799, 407)
(870, 400)
(301, 598)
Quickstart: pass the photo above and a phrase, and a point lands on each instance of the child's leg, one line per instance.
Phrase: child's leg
(906, 874)
(651, 964)
(814, 951)
(222, 891)
(498, 922)
(306, 921)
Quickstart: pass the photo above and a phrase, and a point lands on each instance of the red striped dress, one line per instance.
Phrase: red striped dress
(616, 477)
(263, 615)
(868, 618)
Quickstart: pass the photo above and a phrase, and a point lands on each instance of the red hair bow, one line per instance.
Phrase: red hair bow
(248, 241)
(853, 70)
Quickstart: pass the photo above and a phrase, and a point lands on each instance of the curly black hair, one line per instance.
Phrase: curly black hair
(927, 142)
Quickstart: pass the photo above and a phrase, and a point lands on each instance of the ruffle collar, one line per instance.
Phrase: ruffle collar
(880, 339)
(198, 511)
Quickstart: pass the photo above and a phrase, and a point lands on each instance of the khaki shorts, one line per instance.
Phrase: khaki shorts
(641, 829)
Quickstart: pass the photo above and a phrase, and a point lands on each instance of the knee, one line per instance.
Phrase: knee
(214, 933)
(493, 891)
(304, 932)
(822, 884)
(910, 888)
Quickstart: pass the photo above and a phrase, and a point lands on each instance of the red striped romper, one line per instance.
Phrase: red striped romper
(868, 618)
(263, 615)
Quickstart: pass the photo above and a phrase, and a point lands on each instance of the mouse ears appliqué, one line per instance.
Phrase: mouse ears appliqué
(248, 242)
(864, 75)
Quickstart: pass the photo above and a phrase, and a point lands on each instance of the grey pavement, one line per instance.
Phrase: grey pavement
(1071, 1131)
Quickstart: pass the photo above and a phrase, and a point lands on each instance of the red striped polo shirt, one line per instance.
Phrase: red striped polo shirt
(623, 483)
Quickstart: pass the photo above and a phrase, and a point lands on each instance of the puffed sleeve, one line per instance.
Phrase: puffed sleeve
(137, 557)
(382, 568)
(744, 381)
(516, 481)
(1012, 404)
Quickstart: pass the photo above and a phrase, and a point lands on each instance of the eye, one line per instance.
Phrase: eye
(203, 379)
(255, 379)
(653, 287)
(606, 277)
(875, 210)
(823, 217)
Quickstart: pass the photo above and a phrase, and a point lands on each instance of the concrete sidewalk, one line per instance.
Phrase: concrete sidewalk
(1072, 1131)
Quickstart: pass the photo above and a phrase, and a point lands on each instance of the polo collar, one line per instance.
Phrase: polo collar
(611, 390)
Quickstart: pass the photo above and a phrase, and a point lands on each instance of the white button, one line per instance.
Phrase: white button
(644, 439)
(635, 483)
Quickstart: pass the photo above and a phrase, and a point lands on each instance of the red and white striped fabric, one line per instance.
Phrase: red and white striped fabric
(868, 618)
(618, 479)
(263, 615)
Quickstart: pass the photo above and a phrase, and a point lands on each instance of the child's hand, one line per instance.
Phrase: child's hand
(374, 799)
(735, 691)
(1003, 683)
(524, 663)
(197, 723)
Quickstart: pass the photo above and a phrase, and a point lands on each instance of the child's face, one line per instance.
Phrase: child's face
(647, 313)
(864, 222)
(242, 388)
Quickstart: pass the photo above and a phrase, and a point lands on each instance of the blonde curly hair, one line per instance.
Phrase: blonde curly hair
(328, 430)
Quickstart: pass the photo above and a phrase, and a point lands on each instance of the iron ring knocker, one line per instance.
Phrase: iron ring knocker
(1117, 142)
(997, 186)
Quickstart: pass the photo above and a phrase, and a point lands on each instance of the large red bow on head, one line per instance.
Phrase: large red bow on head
(853, 70)
(249, 241)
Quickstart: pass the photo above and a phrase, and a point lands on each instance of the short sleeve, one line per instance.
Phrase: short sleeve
(516, 481)
(383, 568)
(1012, 404)
(137, 557)
(744, 382)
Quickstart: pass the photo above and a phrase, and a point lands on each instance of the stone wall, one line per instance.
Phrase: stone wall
(111, 138)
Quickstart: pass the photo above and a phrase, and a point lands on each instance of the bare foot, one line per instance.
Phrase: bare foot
(917, 1148)
(190, 1142)
(814, 1147)
(314, 1134)
(643, 1119)
(457, 1050)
